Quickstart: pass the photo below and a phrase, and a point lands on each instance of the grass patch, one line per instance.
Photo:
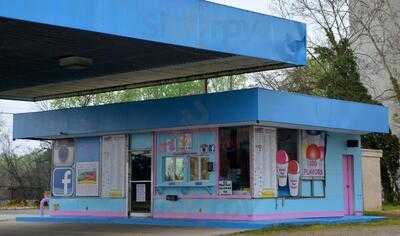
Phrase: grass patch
(320, 227)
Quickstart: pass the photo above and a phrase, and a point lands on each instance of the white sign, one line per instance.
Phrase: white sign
(263, 163)
(313, 155)
(141, 193)
(87, 184)
(225, 187)
(113, 160)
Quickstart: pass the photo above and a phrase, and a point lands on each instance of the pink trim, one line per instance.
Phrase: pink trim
(153, 164)
(89, 213)
(214, 196)
(217, 161)
(278, 216)
(348, 192)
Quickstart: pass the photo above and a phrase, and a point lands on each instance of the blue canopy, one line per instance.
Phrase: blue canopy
(241, 107)
(128, 44)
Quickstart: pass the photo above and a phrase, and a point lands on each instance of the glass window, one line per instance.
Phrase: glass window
(174, 169)
(198, 168)
(235, 158)
(288, 167)
(288, 142)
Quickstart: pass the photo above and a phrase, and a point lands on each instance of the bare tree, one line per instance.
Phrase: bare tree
(373, 29)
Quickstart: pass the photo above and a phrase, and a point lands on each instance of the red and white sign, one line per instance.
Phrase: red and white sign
(313, 154)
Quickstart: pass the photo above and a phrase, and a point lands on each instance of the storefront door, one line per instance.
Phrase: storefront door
(348, 188)
(140, 182)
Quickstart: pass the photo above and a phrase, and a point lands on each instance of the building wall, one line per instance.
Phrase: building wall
(203, 202)
(218, 207)
(371, 171)
(87, 150)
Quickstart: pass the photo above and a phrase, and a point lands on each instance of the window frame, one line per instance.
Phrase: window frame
(199, 162)
(174, 158)
(248, 194)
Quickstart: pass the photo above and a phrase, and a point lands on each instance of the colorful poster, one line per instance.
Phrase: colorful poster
(113, 163)
(313, 155)
(63, 153)
(63, 184)
(87, 179)
(294, 178)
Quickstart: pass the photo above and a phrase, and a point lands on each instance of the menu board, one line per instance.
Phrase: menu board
(263, 161)
(113, 160)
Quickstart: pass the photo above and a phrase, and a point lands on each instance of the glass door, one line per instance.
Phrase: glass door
(140, 181)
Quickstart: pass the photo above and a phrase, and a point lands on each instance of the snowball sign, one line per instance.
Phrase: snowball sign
(313, 153)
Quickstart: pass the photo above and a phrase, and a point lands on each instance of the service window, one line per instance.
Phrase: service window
(174, 169)
(199, 168)
(235, 158)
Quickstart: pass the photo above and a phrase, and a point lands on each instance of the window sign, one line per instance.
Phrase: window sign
(294, 178)
(113, 160)
(63, 184)
(87, 179)
(63, 153)
(140, 192)
(225, 187)
(184, 144)
(263, 162)
(174, 169)
(313, 155)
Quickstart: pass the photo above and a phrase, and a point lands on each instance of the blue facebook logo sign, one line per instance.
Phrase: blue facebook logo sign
(63, 182)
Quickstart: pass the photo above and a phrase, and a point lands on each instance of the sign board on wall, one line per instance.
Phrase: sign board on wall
(87, 179)
(263, 162)
(63, 184)
(313, 155)
(225, 187)
(63, 153)
(113, 160)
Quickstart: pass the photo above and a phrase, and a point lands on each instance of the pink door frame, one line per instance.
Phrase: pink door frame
(348, 184)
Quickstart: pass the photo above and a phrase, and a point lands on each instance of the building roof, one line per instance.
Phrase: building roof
(250, 106)
(128, 44)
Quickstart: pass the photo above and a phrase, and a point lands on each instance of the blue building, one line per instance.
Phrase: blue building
(243, 155)
(247, 155)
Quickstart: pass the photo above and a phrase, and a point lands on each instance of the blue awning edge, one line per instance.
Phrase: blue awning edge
(191, 23)
(241, 107)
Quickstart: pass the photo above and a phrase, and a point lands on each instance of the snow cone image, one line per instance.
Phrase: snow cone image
(282, 161)
(313, 153)
(294, 178)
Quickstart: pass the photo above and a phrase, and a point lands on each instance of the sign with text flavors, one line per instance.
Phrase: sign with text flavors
(313, 155)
